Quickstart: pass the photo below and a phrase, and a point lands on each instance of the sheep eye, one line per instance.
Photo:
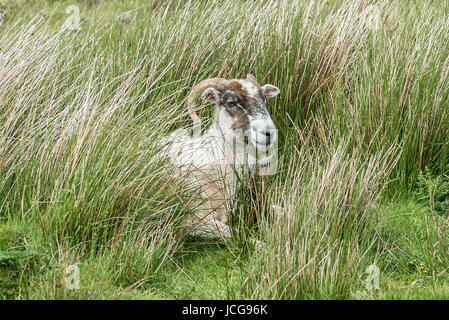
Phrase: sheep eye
(232, 103)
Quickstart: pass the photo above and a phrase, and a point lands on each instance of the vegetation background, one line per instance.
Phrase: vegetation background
(88, 88)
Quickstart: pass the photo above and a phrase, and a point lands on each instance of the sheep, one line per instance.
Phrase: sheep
(241, 130)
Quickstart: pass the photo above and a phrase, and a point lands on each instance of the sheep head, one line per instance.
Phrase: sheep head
(241, 108)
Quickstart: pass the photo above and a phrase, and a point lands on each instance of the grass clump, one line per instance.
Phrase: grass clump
(433, 191)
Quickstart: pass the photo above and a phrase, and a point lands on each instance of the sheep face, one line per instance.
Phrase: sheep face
(242, 114)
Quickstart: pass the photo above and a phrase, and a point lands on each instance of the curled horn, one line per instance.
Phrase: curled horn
(195, 93)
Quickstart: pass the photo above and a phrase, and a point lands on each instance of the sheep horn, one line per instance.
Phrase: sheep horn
(253, 79)
(195, 93)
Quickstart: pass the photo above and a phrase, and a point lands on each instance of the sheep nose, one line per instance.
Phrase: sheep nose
(267, 133)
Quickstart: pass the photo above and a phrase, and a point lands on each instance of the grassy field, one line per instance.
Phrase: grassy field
(88, 89)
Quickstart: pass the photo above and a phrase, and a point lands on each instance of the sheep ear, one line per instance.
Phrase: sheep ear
(210, 95)
(270, 91)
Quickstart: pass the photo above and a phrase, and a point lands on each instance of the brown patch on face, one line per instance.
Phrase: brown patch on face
(242, 95)
(237, 89)
(239, 112)
(241, 106)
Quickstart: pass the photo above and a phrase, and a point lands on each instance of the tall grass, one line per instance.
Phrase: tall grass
(79, 159)
(318, 231)
(363, 109)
